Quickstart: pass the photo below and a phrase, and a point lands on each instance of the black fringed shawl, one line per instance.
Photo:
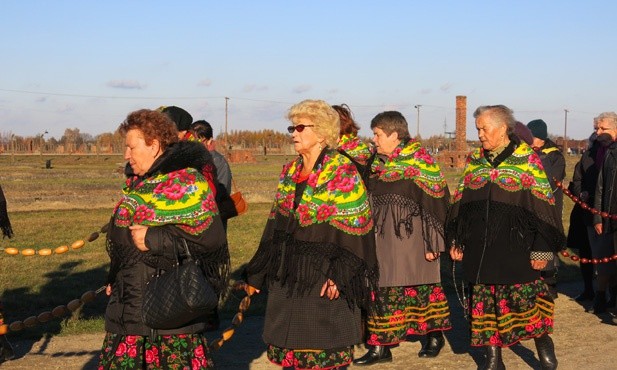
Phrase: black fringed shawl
(407, 184)
(501, 211)
(5, 223)
(319, 229)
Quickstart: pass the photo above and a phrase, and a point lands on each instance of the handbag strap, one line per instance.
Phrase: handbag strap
(234, 186)
(189, 257)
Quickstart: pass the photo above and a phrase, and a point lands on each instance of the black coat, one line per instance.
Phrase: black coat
(606, 193)
(131, 269)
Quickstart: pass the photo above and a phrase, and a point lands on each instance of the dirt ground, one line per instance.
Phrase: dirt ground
(582, 340)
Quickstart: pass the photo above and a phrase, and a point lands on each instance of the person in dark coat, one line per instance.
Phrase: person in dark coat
(317, 254)
(554, 164)
(166, 202)
(409, 196)
(604, 242)
(505, 227)
(583, 186)
(6, 350)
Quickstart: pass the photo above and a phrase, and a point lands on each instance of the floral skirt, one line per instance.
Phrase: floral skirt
(503, 315)
(180, 351)
(310, 358)
(410, 310)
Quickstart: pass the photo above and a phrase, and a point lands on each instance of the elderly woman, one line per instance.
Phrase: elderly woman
(505, 227)
(166, 202)
(349, 142)
(317, 253)
(409, 196)
(603, 237)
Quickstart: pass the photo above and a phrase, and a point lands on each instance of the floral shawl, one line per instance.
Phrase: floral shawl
(317, 229)
(355, 148)
(415, 187)
(174, 195)
(517, 189)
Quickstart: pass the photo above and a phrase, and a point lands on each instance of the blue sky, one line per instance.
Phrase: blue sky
(87, 64)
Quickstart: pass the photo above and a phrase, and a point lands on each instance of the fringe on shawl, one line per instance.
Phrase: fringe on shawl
(302, 266)
(402, 211)
(522, 224)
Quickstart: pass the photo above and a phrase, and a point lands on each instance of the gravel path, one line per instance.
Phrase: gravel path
(582, 340)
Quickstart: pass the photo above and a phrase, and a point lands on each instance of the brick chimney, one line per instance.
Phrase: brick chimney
(461, 124)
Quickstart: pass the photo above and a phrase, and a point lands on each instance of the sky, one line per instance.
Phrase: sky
(242, 64)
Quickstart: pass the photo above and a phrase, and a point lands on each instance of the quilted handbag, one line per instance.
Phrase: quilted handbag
(177, 296)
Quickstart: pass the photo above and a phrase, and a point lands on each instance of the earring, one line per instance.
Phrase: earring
(320, 147)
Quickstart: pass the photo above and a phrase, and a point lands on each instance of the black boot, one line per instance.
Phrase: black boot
(493, 359)
(612, 301)
(374, 355)
(434, 344)
(546, 352)
(6, 350)
(599, 302)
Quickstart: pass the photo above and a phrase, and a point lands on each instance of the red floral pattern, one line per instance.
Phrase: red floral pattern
(310, 359)
(503, 315)
(410, 310)
(182, 351)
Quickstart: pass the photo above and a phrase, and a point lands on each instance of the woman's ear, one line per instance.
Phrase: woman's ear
(155, 147)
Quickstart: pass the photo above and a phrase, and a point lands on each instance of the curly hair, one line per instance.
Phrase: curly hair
(153, 125)
(392, 121)
(348, 125)
(322, 115)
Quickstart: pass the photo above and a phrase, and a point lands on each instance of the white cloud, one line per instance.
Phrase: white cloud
(253, 87)
(126, 84)
(446, 87)
(301, 89)
(205, 82)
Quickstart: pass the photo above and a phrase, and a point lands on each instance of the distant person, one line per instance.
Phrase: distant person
(504, 225)
(166, 203)
(604, 242)
(409, 198)
(317, 253)
(181, 118)
(583, 186)
(349, 142)
(555, 167)
(203, 132)
(6, 350)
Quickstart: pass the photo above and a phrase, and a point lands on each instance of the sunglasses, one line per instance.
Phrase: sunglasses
(298, 128)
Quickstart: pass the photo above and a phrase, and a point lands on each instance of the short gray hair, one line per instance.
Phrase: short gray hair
(500, 114)
(610, 117)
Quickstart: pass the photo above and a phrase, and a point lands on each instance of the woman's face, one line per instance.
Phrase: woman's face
(305, 141)
(605, 127)
(139, 155)
(384, 143)
(491, 136)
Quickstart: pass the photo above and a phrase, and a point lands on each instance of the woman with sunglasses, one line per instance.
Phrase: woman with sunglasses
(317, 253)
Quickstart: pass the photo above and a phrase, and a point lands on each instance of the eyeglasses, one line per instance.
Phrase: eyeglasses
(298, 128)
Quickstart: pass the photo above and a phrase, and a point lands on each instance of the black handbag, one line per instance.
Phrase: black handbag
(177, 296)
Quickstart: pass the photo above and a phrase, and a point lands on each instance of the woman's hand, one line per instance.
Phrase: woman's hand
(108, 290)
(250, 290)
(138, 233)
(456, 254)
(538, 264)
(598, 228)
(431, 256)
(329, 289)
